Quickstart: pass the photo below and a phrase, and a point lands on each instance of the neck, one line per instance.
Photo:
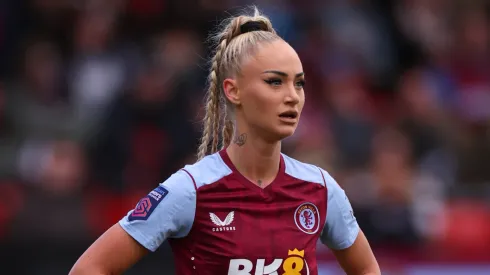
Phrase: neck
(254, 158)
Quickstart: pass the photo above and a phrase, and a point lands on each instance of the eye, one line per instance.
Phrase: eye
(301, 83)
(273, 81)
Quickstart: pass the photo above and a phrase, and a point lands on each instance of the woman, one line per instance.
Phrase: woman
(247, 209)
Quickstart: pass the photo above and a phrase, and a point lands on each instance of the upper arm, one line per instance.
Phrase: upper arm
(358, 258)
(343, 235)
(99, 259)
(166, 212)
(341, 228)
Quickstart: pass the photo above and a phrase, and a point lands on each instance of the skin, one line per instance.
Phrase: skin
(270, 83)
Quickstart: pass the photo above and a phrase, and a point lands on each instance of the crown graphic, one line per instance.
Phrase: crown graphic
(296, 252)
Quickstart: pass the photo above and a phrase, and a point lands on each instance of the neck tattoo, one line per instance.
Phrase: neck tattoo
(240, 139)
(259, 182)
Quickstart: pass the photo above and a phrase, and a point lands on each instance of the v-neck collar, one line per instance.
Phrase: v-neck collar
(247, 182)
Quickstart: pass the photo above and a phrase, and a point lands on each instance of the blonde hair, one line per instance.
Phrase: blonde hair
(232, 44)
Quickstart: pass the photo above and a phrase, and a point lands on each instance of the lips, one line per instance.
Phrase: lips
(289, 115)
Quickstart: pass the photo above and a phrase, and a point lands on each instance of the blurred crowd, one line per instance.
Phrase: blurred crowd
(102, 100)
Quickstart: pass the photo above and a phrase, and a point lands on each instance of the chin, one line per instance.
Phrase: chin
(277, 132)
(285, 131)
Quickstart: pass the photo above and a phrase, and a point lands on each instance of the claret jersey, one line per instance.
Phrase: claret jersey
(218, 222)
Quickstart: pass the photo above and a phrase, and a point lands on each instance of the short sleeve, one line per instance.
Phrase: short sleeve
(341, 228)
(166, 212)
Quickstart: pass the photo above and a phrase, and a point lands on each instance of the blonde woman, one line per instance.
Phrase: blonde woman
(243, 207)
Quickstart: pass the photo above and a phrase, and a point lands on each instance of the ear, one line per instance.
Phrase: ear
(231, 91)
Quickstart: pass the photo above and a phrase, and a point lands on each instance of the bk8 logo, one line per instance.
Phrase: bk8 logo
(292, 265)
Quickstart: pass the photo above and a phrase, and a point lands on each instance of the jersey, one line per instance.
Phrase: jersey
(218, 222)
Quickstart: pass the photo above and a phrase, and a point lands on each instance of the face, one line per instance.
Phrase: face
(268, 93)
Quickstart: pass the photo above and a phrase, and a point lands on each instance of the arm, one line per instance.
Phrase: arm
(166, 212)
(99, 258)
(343, 235)
(358, 258)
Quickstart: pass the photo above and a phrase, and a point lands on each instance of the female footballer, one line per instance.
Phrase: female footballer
(244, 207)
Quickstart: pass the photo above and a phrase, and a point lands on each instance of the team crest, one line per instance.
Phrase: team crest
(307, 218)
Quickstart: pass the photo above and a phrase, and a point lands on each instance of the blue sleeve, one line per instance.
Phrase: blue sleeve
(341, 228)
(166, 212)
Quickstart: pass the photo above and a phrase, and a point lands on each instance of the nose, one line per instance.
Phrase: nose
(292, 97)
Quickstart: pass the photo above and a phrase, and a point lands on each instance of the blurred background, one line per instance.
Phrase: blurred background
(100, 100)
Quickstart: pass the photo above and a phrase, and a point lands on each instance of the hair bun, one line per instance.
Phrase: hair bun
(252, 26)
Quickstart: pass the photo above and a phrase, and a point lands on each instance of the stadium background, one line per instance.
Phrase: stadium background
(100, 101)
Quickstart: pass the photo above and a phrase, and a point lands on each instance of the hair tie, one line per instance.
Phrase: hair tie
(251, 26)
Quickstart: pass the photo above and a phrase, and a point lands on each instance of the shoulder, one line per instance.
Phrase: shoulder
(208, 170)
(305, 171)
(310, 173)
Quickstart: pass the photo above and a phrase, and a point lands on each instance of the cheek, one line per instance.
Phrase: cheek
(302, 99)
(258, 102)
(259, 106)
(301, 103)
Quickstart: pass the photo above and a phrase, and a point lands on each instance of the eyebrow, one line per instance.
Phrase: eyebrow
(282, 73)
